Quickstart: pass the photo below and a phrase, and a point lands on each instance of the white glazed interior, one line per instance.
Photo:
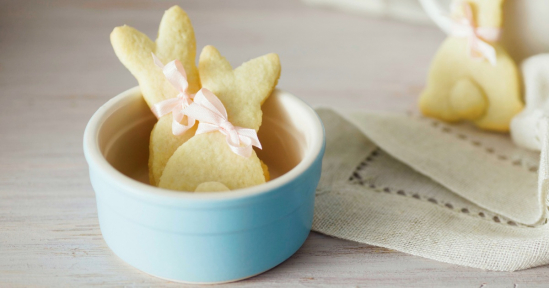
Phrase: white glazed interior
(117, 139)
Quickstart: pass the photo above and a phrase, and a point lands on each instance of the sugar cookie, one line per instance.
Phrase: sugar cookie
(461, 86)
(175, 40)
(207, 157)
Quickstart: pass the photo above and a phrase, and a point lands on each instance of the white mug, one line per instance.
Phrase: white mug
(525, 24)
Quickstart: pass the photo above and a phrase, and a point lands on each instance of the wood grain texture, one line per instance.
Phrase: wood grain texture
(57, 67)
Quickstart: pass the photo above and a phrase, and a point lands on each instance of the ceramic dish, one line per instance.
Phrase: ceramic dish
(204, 237)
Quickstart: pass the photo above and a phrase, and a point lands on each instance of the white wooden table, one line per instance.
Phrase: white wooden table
(57, 67)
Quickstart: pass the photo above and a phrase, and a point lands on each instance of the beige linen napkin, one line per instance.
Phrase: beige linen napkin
(447, 192)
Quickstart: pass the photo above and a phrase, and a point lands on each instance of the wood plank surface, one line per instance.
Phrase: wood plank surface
(57, 67)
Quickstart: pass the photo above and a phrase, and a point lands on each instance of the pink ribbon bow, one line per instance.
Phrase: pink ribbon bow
(175, 73)
(212, 115)
(478, 48)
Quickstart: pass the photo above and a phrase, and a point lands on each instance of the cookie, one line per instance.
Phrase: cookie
(211, 187)
(175, 40)
(463, 85)
(207, 157)
(162, 145)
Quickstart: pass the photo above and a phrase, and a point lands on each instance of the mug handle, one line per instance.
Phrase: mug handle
(434, 9)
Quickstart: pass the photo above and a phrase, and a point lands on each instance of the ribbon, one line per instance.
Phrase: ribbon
(466, 27)
(175, 73)
(212, 115)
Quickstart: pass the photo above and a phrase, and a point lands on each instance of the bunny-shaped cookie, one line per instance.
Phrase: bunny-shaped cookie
(465, 86)
(207, 157)
(175, 41)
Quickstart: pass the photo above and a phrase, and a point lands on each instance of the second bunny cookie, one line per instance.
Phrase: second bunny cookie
(472, 77)
(208, 157)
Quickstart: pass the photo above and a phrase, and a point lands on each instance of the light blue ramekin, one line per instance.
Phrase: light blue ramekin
(203, 237)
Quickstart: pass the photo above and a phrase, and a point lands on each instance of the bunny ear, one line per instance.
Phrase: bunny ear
(176, 40)
(243, 90)
(212, 65)
(260, 74)
(132, 47)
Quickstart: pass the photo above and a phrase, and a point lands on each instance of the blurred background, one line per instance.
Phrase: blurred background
(375, 57)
